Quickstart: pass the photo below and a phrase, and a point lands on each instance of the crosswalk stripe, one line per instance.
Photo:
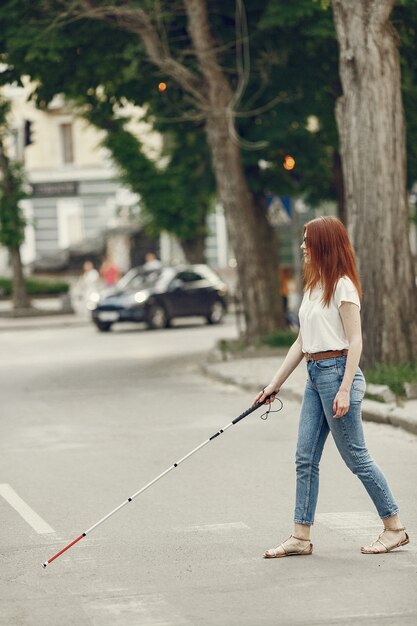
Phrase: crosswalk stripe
(24, 510)
(217, 527)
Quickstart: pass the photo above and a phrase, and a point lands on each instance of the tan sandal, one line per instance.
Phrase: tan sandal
(274, 554)
(383, 548)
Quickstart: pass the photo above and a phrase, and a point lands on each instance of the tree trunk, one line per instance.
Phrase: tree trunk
(20, 296)
(194, 249)
(372, 135)
(338, 186)
(251, 237)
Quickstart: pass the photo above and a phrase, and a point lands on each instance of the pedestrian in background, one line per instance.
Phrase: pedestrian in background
(330, 340)
(284, 289)
(151, 262)
(284, 280)
(109, 272)
(87, 284)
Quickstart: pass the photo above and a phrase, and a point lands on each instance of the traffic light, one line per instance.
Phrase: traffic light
(28, 139)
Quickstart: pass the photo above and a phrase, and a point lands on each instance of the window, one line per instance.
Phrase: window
(189, 276)
(67, 143)
(70, 221)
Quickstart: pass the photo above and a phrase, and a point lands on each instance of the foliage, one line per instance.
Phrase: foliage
(12, 222)
(392, 375)
(293, 61)
(232, 346)
(293, 52)
(291, 80)
(176, 197)
(280, 339)
(35, 287)
(299, 40)
(101, 79)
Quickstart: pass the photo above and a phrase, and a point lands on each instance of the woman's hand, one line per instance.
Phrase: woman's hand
(341, 403)
(269, 390)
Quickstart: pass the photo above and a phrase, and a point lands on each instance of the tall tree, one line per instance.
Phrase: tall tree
(12, 222)
(208, 90)
(371, 126)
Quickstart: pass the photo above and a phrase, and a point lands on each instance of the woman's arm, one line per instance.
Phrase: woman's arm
(293, 358)
(351, 319)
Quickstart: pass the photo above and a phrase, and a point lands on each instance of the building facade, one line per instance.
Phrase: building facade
(75, 191)
(74, 188)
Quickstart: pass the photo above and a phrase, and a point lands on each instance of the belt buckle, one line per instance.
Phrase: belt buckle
(308, 357)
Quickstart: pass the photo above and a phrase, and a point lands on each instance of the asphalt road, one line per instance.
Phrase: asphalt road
(87, 419)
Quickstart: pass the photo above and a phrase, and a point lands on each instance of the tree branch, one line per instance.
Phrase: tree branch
(137, 21)
(204, 44)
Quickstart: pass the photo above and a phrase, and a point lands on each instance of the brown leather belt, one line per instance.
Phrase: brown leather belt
(328, 354)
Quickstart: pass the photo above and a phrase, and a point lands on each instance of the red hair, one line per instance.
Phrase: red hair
(331, 256)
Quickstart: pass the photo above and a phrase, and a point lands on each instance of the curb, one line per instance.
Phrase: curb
(372, 411)
(208, 370)
(47, 322)
(391, 414)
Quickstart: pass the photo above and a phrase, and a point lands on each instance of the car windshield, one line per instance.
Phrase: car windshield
(137, 278)
(128, 277)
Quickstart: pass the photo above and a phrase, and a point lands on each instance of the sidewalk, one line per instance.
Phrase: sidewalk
(253, 373)
(44, 322)
(49, 314)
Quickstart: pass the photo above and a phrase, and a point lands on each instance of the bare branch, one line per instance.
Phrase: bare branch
(198, 27)
(184, 117)
(279, 99)
(242, 51)
(244, 143)
(137, 21)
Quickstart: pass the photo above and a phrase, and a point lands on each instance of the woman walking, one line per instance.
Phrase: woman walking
(330, 340)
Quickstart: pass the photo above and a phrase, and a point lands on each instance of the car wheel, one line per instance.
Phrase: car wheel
(157, 317)
(103, 327)
(216, 312)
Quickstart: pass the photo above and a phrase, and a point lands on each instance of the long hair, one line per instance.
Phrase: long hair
(331, 256)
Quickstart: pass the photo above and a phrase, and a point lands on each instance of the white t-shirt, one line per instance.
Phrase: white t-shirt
(321, 327)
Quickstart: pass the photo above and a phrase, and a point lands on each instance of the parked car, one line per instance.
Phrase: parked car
(157, 297)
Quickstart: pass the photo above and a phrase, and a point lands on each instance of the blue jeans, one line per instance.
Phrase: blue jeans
(316, 420)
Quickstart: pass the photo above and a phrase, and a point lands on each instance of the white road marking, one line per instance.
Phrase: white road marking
(362, 525)
(370, 618)
(24, 510)
(133, 610)
(216, 527)
(350, 523)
